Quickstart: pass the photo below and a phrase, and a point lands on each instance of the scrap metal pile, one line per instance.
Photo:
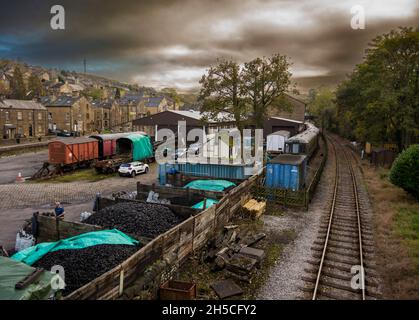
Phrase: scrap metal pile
(142, 219)
(84, 265)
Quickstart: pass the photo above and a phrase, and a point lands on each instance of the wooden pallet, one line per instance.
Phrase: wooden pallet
(255, 208)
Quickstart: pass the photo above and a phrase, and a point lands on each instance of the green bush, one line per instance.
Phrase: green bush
(405, 170)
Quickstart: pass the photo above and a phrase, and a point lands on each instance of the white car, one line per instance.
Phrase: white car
(132, 169)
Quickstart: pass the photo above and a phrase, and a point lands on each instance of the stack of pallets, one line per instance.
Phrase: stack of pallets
(255, 208)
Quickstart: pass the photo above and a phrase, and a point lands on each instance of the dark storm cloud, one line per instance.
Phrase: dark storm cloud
(171, 42)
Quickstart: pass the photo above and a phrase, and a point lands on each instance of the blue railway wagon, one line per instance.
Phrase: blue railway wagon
(286, 171)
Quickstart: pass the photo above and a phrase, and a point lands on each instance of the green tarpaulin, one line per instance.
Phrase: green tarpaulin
(11, 272)
(210, 185)
(141, 147)
(114, 236)
(209, 203)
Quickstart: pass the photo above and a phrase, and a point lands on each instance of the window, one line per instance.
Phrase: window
(20, 130)
(30, 116)
(7, 116)
(39, 115)
(19, 115)
(67, 117)
(40, 129)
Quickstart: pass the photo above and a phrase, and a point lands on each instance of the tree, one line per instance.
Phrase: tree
(95, 94)
(4, 90)
(221, 93)
(117, 94)
(172, 93)
(323, 107)
(265, 82)
(381, 96)
(35, 87)
(17, 86)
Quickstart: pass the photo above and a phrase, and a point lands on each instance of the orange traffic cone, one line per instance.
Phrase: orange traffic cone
(19, 178)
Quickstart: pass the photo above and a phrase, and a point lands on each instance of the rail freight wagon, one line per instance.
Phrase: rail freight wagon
(73, 151)
(304, 143)
(136, 146)
(107, 143)
(286, 171)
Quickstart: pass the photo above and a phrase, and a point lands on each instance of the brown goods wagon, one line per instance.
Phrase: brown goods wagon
(70, 151)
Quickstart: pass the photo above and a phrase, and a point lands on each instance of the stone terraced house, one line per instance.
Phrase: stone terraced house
(22, 118)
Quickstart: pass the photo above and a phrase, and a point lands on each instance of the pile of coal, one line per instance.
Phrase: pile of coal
(142, 219)
(84, 265)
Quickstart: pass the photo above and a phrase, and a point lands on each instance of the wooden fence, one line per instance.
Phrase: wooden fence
(292, 198)
(180, 241)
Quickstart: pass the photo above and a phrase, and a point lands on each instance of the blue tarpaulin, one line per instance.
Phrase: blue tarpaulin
(209, 203)
(34, 253)
(210, 185)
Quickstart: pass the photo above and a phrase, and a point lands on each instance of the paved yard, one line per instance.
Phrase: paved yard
(27, 164)
(19, 201)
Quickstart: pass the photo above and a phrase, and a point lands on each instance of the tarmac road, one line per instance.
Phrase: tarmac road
(27, 164)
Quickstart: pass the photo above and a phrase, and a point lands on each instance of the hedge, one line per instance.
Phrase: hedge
(405, 170)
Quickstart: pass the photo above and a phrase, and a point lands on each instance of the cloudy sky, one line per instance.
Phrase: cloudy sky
(170, 43)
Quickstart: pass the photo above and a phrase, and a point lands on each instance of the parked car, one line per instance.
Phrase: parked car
(132, 169)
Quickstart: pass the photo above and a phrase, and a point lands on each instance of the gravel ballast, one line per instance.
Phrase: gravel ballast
(84, 265)
(285, 279)
(142, 219)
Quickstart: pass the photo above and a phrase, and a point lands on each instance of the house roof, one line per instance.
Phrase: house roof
(76, 87)
(102, 103)
(61, 101)
(153, 101)
(221, 116)
(21, 104)
(131, 98)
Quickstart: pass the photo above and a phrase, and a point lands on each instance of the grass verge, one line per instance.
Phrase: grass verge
(89, 175)
(396, 223)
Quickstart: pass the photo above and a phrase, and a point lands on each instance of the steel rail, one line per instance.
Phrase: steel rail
(358, 215)
(332, 210)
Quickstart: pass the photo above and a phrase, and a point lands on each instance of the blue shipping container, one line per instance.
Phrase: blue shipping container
(286, 172)
(216, 171)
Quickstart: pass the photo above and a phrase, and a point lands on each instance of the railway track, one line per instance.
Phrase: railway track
(342, 263)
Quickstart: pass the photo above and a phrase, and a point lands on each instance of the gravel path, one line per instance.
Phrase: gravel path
(285, 279)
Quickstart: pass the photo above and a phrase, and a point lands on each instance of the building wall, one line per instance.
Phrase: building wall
(85, 116)
(78, 117)
(116, 118)
(102, 118)
(60, 118)
(28, 123)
